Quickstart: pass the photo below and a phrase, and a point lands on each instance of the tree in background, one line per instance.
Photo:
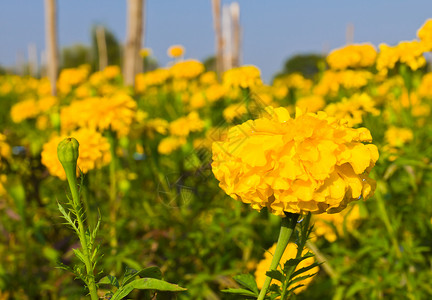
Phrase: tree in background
(306, 64)
(76, 55)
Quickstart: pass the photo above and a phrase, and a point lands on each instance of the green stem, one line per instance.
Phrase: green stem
(114, 205)
(287, 228)
(71, 177)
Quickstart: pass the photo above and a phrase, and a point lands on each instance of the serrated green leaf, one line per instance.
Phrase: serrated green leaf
(146, 284)
(300, 278)
(304, 269)
(275, 274)
(242, 292)
(109, 279)
(248, 281)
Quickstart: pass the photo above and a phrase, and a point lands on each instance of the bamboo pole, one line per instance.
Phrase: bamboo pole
(235, 23)
(216, 5)
(133, 40)
(51, 42)
(102, 48)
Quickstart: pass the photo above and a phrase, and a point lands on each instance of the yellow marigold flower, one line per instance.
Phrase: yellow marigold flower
(46, 103)
(71, 77)
(425, 88)
(145, 52)
(312, 103)
(187, 69)
(94, 152)
(197, 100)
(208, 78)
(3, 180)
(23, 110)
(152, 78)
(353, 109)
(331, 81)
(407, 52)
(293, 81)
(111, 72)
(170, 144)
(215, 92)
(42, 122)
(185, 125)
(290, 252)
(5, 149)
(352, 56)
(425, 32)
(308, 163)
(324, 224)
(176, 51)
(116, 112)
(44, 87)
(242, 77)
(234, 111)
(96, 79)
(398, 137)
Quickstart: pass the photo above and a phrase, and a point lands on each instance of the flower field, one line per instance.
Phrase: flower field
(193, 172)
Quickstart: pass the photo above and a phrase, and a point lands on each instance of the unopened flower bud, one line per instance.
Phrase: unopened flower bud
(67, 152)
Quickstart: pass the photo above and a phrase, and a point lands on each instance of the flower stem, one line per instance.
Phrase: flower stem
(71, 177)
(287, 228)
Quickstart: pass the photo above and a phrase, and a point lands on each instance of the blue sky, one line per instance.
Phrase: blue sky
(272, 30)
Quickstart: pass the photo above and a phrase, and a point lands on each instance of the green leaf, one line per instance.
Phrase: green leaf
(146, 284)
(112, 280)
(150, 272)
(276, 275)
(305, 269)
(248, 281)
(242, 292)
(79, 254)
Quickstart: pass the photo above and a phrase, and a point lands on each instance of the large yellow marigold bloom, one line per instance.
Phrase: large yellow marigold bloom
(308, 163)
(352, 56)
(425, 32)
(290, 252)
(244, 77)
(94, 152)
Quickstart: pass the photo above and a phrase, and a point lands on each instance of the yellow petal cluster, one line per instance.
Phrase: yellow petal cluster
(152, 78)
(408, 52)
(353, 109)
(5, 149)
(94, 152)
(115, 112)
(425, 32)
(290, 252)
(23, 110)
(308, 163)
(185, 125)
(71, 77)
(170, 144)
(176, 51)
(242, 77)
(311, 103)
(397, 137)
(352, 56)
(187, 69)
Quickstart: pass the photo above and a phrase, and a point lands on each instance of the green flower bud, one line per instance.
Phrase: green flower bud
(67, 153)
